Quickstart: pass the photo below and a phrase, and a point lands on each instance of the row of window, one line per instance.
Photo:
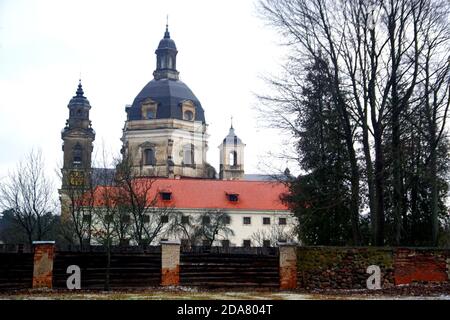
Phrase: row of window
(186, 219)
(188, 155)
(226, 243)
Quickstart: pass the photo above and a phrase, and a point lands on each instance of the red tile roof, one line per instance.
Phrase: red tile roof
(212, 194)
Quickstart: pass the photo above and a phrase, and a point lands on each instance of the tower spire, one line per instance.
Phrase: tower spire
(167, 33)
(166, 57)
(80, 91)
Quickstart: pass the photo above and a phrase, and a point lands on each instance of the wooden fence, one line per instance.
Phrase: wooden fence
(16, 267)
(132, 268)
(229, 267)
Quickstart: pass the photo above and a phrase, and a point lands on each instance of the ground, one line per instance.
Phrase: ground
(417, 291)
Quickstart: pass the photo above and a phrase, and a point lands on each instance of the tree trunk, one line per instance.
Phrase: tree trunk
(379, 185)
(108, 265)
(370, 183)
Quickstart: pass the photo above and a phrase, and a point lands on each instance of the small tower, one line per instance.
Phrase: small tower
(166, 58)
(231, 157)
(77, 137)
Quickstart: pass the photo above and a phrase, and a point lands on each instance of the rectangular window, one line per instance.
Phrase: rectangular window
(108, 218)
(126, 218)
(188, 154)
(145, 218)
(87, 218)
(185, 219)
(124, 242)
(225, 243)
(247, 220)
(266, 243)
(166, 196)
(266, 220)
(206, 220)
(149, 157)
(226, 219)
(233, 197)
(247, 243)
(282, 221)
(164, 219)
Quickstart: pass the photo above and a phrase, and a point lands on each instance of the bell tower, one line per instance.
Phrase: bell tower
(231, 157)
(78, 137)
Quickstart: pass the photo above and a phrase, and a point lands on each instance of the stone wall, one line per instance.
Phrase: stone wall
(342, 268)
(345, 268)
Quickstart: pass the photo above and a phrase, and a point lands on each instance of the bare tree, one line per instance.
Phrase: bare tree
(274, 235)
(77, 208)
(214, 225)
(385, 57)
(27, 192)
(186, 228)
(149, 218)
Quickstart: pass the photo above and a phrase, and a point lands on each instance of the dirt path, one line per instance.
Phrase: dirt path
(184, 293)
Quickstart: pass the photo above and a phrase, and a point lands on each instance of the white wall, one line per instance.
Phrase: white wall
(247, 232)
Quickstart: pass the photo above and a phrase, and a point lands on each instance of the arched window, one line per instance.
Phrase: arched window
(149, 157)
(188, 154)
(233, 158)
(77, 154)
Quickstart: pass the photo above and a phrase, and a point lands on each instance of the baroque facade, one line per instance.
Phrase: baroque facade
(165, 138)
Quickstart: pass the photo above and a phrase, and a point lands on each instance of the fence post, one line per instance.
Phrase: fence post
(288, 265)
(170, 263)
(43, 264)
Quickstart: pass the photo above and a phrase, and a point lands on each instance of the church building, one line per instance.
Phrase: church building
(165, 138)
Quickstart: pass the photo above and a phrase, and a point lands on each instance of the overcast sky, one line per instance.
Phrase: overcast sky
(223, 50)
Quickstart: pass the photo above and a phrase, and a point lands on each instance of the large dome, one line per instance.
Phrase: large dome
(169, 94)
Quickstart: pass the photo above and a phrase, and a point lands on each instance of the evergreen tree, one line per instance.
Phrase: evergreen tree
(321, 197)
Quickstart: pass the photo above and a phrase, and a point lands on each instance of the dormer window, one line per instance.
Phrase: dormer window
(188, 115)
(151, 114)
(166, 195)
(148, 109)
(188, 110)
(233, 197)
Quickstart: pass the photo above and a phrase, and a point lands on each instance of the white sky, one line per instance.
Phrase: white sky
(223, 50)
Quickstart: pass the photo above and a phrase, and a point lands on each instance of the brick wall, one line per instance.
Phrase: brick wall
(415, 265)
(170, 263)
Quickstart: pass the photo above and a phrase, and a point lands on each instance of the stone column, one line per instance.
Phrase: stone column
(288, 266)
(43, 264)
(170, 263)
